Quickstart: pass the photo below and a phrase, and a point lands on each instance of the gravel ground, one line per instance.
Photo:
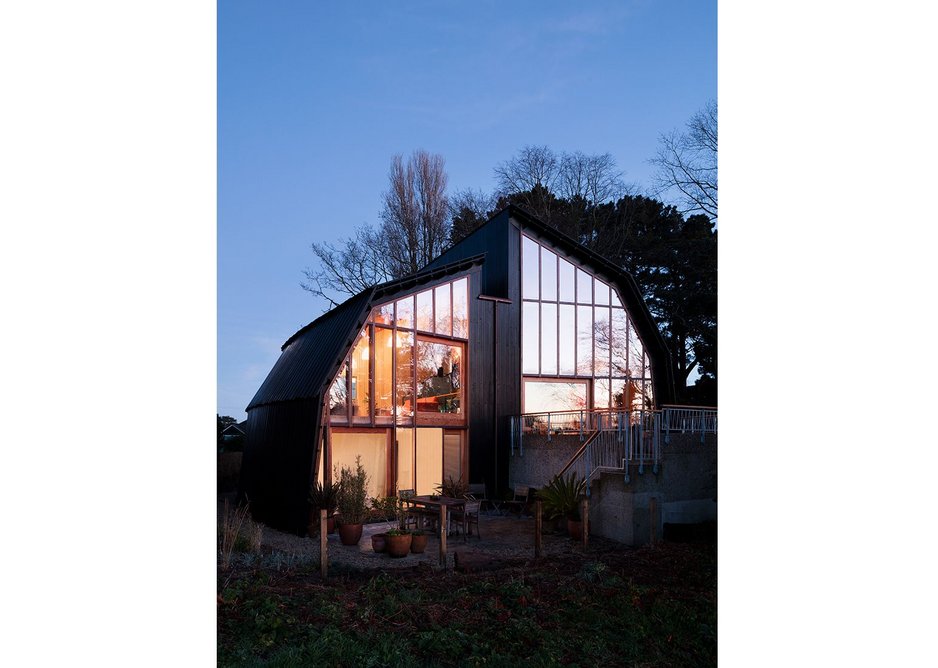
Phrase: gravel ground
(501, 538)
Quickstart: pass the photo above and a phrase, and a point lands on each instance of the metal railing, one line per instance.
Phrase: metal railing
(612, 440)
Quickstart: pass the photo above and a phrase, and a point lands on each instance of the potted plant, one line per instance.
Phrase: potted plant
(398, 542)
(379, 542)
(418, 541)
(352, 502)
(561, 499)
(453, 488)
(322, 497)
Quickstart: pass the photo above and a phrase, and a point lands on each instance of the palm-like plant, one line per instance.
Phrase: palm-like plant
(561, 497)
(325, 496)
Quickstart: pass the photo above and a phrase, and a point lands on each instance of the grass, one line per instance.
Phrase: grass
(647, 607)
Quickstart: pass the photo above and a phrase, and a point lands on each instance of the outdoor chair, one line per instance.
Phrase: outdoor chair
(468, 517)
(519, 501)
(477, 493)
(414, 515)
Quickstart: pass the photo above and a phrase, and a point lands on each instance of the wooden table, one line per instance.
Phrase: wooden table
(428, 501)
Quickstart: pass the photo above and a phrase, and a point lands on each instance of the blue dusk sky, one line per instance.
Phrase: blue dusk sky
(314, 99)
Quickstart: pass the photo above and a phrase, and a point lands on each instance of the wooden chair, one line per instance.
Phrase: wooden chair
(477, 493)
(412, 514)
(467, 517)
(519, 501)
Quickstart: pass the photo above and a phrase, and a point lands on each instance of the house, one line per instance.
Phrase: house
(423, 376)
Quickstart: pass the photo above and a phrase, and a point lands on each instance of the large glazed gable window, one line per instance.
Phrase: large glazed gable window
(392, 374)
(574, 326)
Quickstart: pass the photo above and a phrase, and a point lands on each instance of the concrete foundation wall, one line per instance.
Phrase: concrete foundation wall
(684, 489)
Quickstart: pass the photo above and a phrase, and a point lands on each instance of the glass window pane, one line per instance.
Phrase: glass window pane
(636, 353)
(384, 314)
(567, 286)
(584, 340)
(444, 322)
(361, 388)
(405, 459)
(529, 268)
(618, 394)
(429, 460)
(544, 397)
(373, 449)
(646, 373)
(618, 337)
(452, 456)
(405, 378)
(649, 395)
(439, 377)
(567, 339)
(530, 330)
(548, 338)
(584, 287)
(548, 275)
(425, 311)
(384, 388)
(461, 308)
(338, 397)
(601, 393)
(601, 292)
(602, 335)
(614, 298)
(405, 312)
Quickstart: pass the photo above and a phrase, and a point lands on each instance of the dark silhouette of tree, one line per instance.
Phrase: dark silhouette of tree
(687, 164)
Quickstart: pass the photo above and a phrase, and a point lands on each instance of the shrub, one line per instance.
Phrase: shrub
(353, 493)
(325, 497)
(561, 497)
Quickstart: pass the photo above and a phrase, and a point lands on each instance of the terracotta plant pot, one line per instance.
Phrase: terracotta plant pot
(330, 524)
(575, 529)
(350, 534)
(313, 527)
(399, 545)
(379, 542)
(418, 543)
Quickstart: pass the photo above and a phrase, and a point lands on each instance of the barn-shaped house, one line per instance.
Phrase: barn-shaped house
(422, 376)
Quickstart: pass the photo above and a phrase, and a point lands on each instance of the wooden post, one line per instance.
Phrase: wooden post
(537, 528)
(323, 543)
(443, 530)
(652, 518)
(586, 522)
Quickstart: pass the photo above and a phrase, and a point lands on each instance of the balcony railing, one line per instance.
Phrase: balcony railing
(613, 439)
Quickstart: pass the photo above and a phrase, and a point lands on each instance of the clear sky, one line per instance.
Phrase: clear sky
(314, 99)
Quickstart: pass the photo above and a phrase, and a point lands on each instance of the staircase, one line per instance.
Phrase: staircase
(614, 441)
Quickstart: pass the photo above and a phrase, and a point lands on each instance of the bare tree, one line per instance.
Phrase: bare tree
(469, 209)
(593, 178)
(348, 268)
(415, 222)
(687, 164)
(531, 176)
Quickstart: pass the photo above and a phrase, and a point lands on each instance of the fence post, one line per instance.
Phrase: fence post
(538, 509)
(323, 544)
(652, 517)
(443, 530)
(586, 522)
(548, 427)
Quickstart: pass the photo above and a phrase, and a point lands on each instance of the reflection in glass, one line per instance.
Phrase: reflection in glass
(543, 397)
(636, 353)
(384, 314)
(618, 336)
(405, 312)
(444, 323)
(548, 275)
(603, 334)
(601, 393)
(618, 393)
(646, 372)
(405, 458)
(384, 388)
(567, 286)
(361, 391)
(584, 340)
(530, 331)
(567, 340)
(405, 378)
(548, 338)
(425, 311)
(584, 287)
(338, 397)
(439, 377)
(529, 266)
(461, 308)
(601, 292)
(649, 394)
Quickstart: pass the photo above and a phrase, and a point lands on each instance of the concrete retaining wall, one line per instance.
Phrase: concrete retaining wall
(684, 489)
